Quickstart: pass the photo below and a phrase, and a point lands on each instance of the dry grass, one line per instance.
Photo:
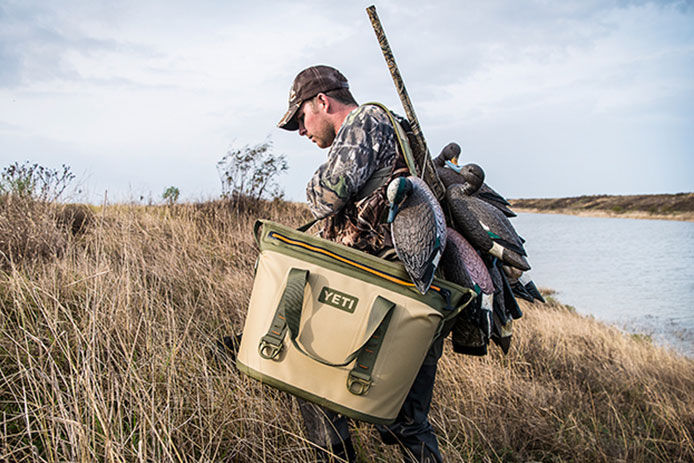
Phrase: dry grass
(108, 353)
(27, 230)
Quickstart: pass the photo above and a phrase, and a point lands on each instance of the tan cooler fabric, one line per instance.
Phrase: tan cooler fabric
(337, 320)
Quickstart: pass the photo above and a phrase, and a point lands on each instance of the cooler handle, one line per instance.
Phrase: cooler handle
(288, 316)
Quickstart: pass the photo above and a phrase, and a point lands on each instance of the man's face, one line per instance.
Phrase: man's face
(315, 124)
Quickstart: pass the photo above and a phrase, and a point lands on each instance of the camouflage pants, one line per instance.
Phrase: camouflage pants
(411, 430)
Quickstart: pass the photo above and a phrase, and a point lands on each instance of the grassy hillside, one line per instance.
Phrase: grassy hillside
(678, 206)
(108, 353)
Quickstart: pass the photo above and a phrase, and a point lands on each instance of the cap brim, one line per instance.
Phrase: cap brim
(289, 121)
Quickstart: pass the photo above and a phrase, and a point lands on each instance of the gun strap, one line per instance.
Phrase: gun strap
(402, 139)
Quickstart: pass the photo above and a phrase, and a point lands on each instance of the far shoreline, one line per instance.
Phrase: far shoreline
(684, 217)
(665, 206)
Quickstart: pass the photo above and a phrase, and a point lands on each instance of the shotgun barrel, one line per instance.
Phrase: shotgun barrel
(425, 166)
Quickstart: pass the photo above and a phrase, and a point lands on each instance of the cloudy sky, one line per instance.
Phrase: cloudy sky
(550, 98)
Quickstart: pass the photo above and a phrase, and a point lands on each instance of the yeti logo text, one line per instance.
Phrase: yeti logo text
(337, 299)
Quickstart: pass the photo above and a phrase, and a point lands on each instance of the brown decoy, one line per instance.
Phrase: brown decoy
(462, 265)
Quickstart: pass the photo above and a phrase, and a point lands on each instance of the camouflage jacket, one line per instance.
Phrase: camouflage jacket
(365, 143)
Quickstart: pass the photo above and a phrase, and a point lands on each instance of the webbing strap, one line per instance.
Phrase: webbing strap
(374, 182)
(379, 177)
(304, 228)
(288, 317)
(271, 344)
(402, 139)
(377, 319)
(359, 379)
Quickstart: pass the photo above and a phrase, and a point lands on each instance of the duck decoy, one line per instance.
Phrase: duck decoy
(470, 175)
(418, 228)
(520, 291)
(486, 193)
(486, 227)
(448, 152)
(471, 329)
(502, 333)
(451, 172)
(510, 303)
(462, 265)
(530, 287)
(522, 285)
(512, 275)
(505, 307)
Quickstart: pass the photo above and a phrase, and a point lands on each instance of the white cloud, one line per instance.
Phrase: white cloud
(167, 86)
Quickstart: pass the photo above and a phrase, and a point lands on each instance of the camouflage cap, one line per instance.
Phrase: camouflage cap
(307, 84)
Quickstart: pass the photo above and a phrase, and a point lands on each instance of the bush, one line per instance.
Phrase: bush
(252, 172)
(75, 218)
(28, 230)
(31, 224)
(171, 195)
(34, 181)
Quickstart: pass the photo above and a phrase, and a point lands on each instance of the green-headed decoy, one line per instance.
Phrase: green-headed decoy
(418, 228)
(487, 229)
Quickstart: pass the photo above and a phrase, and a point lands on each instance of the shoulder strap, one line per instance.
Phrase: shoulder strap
(374, 182)
(379, 177)
(402, 139)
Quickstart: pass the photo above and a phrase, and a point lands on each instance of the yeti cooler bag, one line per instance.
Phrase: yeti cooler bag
(337, 326)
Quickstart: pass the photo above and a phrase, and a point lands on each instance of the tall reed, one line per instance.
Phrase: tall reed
(109, 352)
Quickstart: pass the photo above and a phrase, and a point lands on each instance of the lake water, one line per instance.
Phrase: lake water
(635, 274)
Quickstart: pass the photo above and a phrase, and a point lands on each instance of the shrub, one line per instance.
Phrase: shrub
(28, 230)
(35, 181)
(74, 218)
(170, 195)
(29, 217)
(252, 172)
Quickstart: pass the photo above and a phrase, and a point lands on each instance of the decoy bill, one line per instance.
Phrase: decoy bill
(418, 228)
(470, 175)
(451, 173)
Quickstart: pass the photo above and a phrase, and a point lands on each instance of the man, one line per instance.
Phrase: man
(348, 192)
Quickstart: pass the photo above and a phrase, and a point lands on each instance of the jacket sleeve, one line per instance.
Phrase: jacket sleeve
(352, 159)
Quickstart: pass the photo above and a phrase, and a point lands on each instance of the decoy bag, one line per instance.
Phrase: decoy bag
(337, 326)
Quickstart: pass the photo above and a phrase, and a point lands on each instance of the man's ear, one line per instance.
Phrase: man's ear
(323, 102)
